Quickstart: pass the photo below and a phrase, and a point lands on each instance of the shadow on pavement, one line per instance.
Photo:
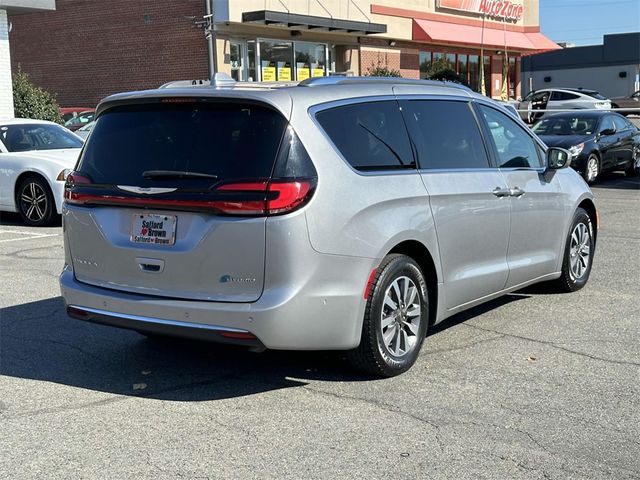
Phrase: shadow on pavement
(618, 181)
(14, 219)
(39, 342)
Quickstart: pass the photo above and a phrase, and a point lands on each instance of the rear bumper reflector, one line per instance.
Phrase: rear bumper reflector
(167, 327)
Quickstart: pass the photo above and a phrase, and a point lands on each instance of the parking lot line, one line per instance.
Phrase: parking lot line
(30, 236)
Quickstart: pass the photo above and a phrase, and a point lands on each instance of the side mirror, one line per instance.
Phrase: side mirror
(607, 131)
(558, 158)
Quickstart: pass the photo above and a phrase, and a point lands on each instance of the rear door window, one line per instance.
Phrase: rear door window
(446, 134)
(228, 140)
(370, 136)
(514, 146)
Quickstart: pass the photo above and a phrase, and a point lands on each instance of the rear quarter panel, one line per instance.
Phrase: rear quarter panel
(361, 214)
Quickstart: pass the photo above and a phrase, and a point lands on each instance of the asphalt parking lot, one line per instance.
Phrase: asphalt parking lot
(534, 385)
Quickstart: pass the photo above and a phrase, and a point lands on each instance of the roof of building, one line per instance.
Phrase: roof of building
(618, 49)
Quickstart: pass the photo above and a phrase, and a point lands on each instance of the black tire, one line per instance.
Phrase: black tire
(373, 356)
(589, 177)
(35, 201)
(633, 170)
(569, 281)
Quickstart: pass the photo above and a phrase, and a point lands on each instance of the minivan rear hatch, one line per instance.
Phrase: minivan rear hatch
(169, 196)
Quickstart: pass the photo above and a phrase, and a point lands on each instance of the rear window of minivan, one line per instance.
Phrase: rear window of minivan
(226, 139)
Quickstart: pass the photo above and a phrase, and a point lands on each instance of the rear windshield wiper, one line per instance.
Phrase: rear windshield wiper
(173, 174)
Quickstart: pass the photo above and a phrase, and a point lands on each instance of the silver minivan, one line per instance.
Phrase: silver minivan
(337, 214)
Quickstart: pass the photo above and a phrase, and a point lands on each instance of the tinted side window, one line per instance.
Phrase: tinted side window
(606, 124)
(446, 134)
(370, 136)
(620, 123)
(515, 147)
(564, 96)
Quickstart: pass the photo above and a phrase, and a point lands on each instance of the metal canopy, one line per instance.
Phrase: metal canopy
(296, 21)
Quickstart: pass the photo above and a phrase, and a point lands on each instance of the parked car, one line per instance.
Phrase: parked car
(632, 101)
(84, 131)
(35, 157)
(560, 99)
(342, 214)
(80, 120)
(70, 112)
(598, 141)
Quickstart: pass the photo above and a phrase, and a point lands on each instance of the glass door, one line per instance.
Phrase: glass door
(236, 59)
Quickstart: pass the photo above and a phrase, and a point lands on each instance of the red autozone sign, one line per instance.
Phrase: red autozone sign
(494, 8)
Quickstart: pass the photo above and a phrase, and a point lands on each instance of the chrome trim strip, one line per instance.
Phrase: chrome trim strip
(161, 321)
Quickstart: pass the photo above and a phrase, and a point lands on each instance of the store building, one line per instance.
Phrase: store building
(130, 45)
(612, 68)
(13, 7)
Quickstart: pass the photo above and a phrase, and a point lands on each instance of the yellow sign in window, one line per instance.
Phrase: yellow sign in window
(303, 73)
(284, 74)
(318, 72)
(268, 74)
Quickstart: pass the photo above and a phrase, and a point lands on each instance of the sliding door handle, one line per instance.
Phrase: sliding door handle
(516, 192)
(501, 192)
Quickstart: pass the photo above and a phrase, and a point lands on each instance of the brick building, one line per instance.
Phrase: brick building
(87, 49)
(13, 8)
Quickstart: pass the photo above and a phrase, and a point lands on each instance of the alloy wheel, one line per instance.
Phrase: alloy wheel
(33, 201)
(580, 251)
(592, 168)
(400, 317)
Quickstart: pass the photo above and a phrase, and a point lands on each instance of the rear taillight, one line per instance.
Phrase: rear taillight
(258, 198)
(281, 196)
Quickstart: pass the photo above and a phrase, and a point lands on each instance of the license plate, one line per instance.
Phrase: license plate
(153, 229)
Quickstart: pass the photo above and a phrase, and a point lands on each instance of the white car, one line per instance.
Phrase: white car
(35, 158)
(560, 99)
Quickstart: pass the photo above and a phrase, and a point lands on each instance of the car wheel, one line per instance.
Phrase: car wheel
(578, 254)
(395, 320)
(591, 169)
(35, 201)
(634, 169)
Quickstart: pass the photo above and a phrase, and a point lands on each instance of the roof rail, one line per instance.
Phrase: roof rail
(336, 80)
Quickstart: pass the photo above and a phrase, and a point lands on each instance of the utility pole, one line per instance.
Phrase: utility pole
(210, 36)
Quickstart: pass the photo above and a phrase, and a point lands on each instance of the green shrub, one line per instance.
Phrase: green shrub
(380, 70)
(441, 70)
(30, 101)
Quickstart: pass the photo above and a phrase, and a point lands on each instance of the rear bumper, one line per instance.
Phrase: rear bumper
(323, 313)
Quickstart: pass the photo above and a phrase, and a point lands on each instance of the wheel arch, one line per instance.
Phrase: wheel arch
(26, 174)
(590, 207)
(420, 253)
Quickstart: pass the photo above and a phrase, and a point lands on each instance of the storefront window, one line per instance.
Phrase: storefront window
(425, 63)
(451, 61)
(310, 60)
(513, 77)
(438, 56)
(487, 76)
(463, 69)
(235, 59)
(474, 73)
(251, 60)
(276, 60)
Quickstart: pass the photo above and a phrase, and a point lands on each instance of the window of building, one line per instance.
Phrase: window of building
(515, 147)
(276, 60)
(474, 73)
(463, 67)
(310, 60)
(370, 136)
(513, 77)
(439, 146)
(425, 62)
(251, 60)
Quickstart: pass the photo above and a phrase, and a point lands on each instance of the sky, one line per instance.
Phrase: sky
(584, 22)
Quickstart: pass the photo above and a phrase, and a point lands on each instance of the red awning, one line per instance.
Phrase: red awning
(455, 34)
